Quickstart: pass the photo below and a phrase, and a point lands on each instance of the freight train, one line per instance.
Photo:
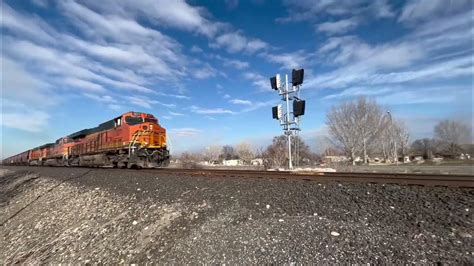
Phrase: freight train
(132, 140)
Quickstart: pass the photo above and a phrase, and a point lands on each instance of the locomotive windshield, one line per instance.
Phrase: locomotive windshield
(133, 120)
(151, 120)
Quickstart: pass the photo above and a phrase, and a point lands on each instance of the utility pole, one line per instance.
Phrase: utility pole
(394, 139)
(290, 121)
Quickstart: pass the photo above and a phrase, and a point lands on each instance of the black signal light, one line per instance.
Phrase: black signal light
(297, 77)
(298, 107)
(275, 112)
(273, 82)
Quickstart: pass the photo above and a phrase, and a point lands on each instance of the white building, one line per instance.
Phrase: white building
(232, 162)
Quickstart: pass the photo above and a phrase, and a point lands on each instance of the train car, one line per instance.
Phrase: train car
(38, 155)
(19, 159)
(132, 140)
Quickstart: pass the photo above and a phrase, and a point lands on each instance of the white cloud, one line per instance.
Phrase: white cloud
(208, 111)
(204, 72)
(100, 98)
(196, 49)
(177, 14)
(422, 10)
(240, 102)
(115, 107)
(308, 10)
(258, 105)
(236, 64)
(287, 60)
(235, 42)
(27, 120)
(20, 85)
(255, 45)
(185, 132)
(258, 80)
(177, 96)
(226, 96)
(338, 27)
(354, 92)
(438, 50)
(403, 95)
(146, 102)
(83, 84)
(25, 25)
(121, 53)
(176, 114)
(348, 49)
(48, 61)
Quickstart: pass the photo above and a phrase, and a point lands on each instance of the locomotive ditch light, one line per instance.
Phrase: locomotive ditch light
(275, 82)
(298, 107)
(297, 77)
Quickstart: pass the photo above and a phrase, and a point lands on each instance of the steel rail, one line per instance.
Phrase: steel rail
(361, 177)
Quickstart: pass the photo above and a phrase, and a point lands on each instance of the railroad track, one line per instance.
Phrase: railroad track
(361, 177)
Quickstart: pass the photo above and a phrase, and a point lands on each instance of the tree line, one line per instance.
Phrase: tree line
(360, 130)
(274, 155)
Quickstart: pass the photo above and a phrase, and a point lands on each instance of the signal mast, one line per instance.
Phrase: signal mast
(290, 120)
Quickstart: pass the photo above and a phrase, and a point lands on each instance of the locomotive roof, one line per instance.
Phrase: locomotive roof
(82, 133)
(47, 145)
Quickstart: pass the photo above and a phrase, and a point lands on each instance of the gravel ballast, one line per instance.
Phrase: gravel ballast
(77, 215)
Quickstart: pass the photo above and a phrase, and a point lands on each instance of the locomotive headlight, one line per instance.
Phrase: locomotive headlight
(151, 127)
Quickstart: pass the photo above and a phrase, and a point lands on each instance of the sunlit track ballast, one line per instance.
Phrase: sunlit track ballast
(360, 177)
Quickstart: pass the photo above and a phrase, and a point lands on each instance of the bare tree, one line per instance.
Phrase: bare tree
(244, 152)
(452, 134)
(212, 153)
(370, 124)
(276, 155)
(190, 160)
(426, 147)
(393, 140)
(301, 152)
(402, 137)
(355, 125)
(228, 153)
(342, 125)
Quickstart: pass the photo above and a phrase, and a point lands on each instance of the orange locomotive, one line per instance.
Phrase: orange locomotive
(132, 140)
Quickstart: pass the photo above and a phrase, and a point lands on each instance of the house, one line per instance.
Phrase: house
(234, 162)
(257, 161)
(335, 158)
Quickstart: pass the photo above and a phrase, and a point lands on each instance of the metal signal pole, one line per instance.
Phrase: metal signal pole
(290, 118)
(288, 131)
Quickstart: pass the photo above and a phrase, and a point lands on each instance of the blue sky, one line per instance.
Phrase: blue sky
(202, 67)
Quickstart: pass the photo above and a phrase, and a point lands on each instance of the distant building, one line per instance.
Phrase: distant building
(335, 158)
(257, 161)
(235, 162)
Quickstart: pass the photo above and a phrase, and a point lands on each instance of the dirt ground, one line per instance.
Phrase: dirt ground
(77, 215)
(466, 169)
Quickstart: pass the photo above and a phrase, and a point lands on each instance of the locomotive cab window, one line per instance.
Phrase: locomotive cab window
(151, 120)
(133, 120)
(118, 122)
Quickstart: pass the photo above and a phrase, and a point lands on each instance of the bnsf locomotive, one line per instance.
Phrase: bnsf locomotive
(132, 140)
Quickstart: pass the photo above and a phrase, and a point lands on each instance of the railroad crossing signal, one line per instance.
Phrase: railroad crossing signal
(290, 121)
